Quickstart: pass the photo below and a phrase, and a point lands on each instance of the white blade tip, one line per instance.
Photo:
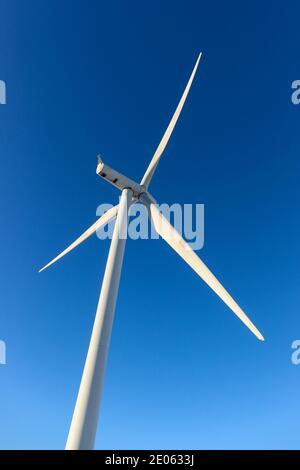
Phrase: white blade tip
(44, 267)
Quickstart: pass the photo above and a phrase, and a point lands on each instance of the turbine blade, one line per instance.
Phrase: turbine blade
(163, 143)
(103, 220)
(174, 239)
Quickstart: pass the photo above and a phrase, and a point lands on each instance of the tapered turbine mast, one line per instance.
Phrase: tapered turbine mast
(83, 427)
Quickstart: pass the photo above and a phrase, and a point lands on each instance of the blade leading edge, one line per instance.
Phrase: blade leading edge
(174, 239)
(103, 220)
(165, 139)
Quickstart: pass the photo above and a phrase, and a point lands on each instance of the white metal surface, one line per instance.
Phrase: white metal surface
(84, 422)
(117, 179)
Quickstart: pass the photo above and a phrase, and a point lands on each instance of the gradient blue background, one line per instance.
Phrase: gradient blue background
(89, 77)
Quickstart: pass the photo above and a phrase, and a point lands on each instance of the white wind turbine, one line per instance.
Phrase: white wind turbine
(85, 417)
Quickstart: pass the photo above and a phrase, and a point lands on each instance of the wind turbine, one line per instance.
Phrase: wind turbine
(85, 417)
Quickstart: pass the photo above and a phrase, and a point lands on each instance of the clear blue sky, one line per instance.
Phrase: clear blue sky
(90, 77)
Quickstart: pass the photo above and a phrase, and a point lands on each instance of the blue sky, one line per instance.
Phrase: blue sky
(90, 77)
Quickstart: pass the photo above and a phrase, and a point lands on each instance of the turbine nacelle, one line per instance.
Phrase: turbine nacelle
(117, 179)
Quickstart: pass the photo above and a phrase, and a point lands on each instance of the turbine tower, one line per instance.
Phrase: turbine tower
(83, 427)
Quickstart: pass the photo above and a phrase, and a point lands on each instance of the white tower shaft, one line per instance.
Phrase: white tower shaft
(85, 417)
